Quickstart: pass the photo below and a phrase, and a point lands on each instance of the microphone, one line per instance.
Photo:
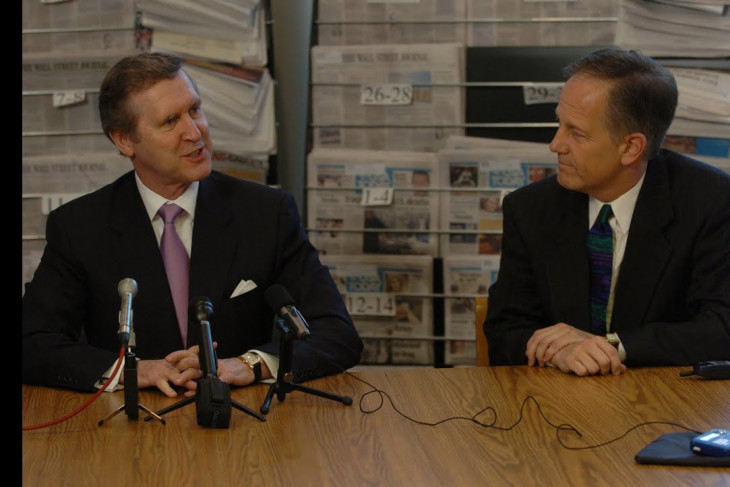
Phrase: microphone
(201, 310)
(282, 303)
(127, 290)
(213, 398)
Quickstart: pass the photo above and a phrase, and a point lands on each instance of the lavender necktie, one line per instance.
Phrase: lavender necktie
(600, 256)
(177, 265)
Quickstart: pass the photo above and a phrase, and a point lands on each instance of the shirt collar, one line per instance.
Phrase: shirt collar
(153, 201)
(622, 207)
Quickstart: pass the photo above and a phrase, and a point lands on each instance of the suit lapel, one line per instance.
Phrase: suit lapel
(567, 270)
(214, 244)
(647, 250)
(134, 242)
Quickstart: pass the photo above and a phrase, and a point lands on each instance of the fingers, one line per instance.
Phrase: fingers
(590, 356)
(545, 342)
(177, 370)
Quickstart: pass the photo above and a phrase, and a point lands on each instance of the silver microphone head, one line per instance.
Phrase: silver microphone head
(127, 285)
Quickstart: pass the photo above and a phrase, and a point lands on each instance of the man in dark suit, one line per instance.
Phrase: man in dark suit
(241, 238)
(669, 300)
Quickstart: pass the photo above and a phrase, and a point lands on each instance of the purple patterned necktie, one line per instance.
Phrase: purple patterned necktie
(600, 256)
(177, 265)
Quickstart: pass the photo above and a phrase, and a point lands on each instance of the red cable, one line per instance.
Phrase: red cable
(84, 405)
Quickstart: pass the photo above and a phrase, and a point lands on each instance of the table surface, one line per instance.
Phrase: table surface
(417, 431)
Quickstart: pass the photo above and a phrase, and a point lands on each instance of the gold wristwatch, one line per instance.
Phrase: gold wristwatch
(612, 338)
(253, 360)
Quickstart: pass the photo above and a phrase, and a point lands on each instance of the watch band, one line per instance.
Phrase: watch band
(253, 361)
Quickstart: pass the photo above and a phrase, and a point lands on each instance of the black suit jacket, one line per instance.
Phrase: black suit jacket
(242, 230)
(672, 296)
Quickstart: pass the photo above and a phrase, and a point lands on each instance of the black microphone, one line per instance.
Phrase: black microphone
(213, 397)
(201, 310)
(127, 290)
(282, 303)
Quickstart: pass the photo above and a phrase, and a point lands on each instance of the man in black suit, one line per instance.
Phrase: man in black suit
(241, 237)
(669, 302)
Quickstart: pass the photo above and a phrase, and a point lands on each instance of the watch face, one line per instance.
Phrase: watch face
(252, 358)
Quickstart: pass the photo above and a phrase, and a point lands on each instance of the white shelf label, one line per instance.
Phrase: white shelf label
(386, 94)
(370, 304)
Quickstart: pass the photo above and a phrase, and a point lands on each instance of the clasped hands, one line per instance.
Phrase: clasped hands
(572, 350)
(181, 368)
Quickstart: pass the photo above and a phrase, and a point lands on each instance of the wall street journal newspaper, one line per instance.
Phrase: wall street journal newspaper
(388, 298)
(434, 112)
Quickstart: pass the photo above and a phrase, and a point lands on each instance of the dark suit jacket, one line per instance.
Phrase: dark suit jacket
(672, 296)
(242, 230)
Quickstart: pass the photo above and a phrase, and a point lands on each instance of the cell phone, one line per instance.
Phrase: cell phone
(714, 443)
(712, 369)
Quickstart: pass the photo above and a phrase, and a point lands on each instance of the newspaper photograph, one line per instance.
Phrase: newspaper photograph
(464, 278)
(388, 298)
(433, 112)
(352, 193)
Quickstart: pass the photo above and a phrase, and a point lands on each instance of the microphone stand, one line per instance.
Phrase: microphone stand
(213, 396)
(131, 404)
(285, 377)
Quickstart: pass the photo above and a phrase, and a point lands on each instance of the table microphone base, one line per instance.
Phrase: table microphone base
(131, 404)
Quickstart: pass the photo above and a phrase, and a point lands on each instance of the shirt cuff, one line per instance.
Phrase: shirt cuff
(114, 384)
(271, 361)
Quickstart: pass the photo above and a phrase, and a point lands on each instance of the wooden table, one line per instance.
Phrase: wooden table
(308, 440)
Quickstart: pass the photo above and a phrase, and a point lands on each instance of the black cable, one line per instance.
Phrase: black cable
(492, 425)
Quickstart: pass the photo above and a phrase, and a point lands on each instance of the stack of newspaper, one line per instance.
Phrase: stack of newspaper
(471, 22)
(428, 75)
(354, 193)
(238, 102)
(343, 22)
(465, 277)
(673, 28)
(78, 27)
(541, 23)
(478, 172)
(701, 126)
(389, 299)
(228, 31)
(66, 51)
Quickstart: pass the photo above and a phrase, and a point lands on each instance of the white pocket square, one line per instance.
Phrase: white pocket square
(243, 287)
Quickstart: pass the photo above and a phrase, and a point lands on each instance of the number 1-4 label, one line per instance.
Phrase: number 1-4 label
(376, 196)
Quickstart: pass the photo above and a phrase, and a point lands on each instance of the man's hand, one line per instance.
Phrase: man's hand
(235, 372)
(573, 350)
(178, 369)
(546, 342)
(591, 356)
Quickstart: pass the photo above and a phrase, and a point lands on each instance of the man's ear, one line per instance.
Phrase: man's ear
(123, 142)
(633, 148)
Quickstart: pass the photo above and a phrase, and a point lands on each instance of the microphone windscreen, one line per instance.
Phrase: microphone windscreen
(200, 309)
(127, 285)
(278, 297)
